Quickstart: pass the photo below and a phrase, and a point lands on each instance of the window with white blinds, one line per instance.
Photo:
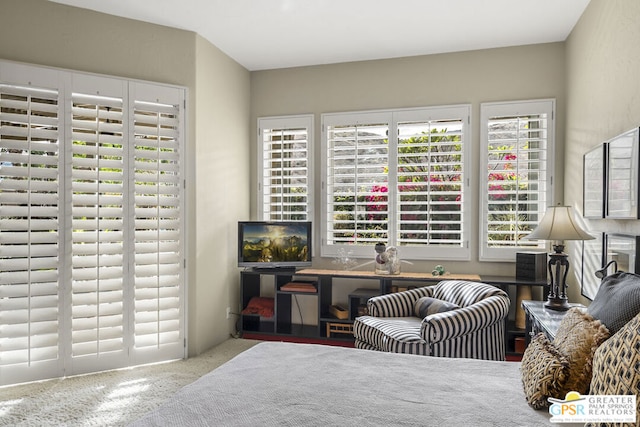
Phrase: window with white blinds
(397, 177)
(158, 261)
(430, 183)
(357, 182)
(517, 151)
(30, 245)
(284, 152)
(98, 218)
(91, 240)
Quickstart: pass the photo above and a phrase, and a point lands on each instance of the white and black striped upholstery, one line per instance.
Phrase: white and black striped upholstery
(475, 330)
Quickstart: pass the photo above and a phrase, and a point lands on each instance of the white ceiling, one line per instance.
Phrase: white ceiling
(268, 34)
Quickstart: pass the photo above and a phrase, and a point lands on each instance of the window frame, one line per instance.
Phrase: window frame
(511, 109)
(284, 123)
(392, 117)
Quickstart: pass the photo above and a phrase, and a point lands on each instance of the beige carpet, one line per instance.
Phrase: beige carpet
(113, 398)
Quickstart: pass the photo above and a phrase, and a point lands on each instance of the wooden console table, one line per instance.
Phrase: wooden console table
(370, 274)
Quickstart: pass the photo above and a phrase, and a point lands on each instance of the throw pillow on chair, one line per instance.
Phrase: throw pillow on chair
(427, 305)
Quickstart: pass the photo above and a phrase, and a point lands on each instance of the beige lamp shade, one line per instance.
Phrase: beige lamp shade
(560, 223)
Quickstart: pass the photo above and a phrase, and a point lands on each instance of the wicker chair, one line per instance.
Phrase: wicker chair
(473, 330)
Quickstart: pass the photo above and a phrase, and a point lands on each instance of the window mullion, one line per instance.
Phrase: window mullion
(65, 238)
(128, 215)
(392, 183)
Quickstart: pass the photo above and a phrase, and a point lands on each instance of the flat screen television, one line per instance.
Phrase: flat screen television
(274, 244)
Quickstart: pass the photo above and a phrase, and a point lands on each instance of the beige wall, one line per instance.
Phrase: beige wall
(221, 195)
(45, 33)
(518, 73)
(597, 70)
(603, 96)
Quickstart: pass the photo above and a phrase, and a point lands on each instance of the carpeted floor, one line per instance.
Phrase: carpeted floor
(113, 398)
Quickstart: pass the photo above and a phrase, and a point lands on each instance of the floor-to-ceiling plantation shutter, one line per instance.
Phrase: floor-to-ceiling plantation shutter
(91, 230)
(29, 233)
(98, 186)
(158, 261)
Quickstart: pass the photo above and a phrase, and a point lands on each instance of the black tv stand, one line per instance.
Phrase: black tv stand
(329, 327)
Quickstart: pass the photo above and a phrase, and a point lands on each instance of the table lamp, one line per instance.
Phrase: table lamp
(558, 224)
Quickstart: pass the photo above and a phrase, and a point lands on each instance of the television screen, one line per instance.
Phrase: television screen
(271, 244)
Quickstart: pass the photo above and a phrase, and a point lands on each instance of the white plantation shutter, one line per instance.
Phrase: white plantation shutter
(158, 261)
(30, 215)
(91, 231)
(357, 153)
(517, 143)
(396, 177)
(284, 150)
(430, 183)
(98, 187)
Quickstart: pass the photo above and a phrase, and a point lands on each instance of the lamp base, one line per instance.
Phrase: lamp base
(557, 303)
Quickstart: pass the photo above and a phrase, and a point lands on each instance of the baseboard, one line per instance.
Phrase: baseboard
(301, 340)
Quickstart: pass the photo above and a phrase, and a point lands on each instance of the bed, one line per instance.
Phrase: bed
(287, 384)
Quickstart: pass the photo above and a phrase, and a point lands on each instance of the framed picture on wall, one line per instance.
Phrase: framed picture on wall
(621, 248)
(592, 257)
(594, 182)
(622, 176)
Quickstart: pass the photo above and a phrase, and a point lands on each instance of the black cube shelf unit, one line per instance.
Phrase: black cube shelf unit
(328, 327)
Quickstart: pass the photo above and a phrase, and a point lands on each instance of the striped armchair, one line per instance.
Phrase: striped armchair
(474, 330)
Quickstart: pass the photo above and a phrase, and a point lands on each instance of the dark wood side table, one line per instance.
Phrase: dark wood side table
(541, 319)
